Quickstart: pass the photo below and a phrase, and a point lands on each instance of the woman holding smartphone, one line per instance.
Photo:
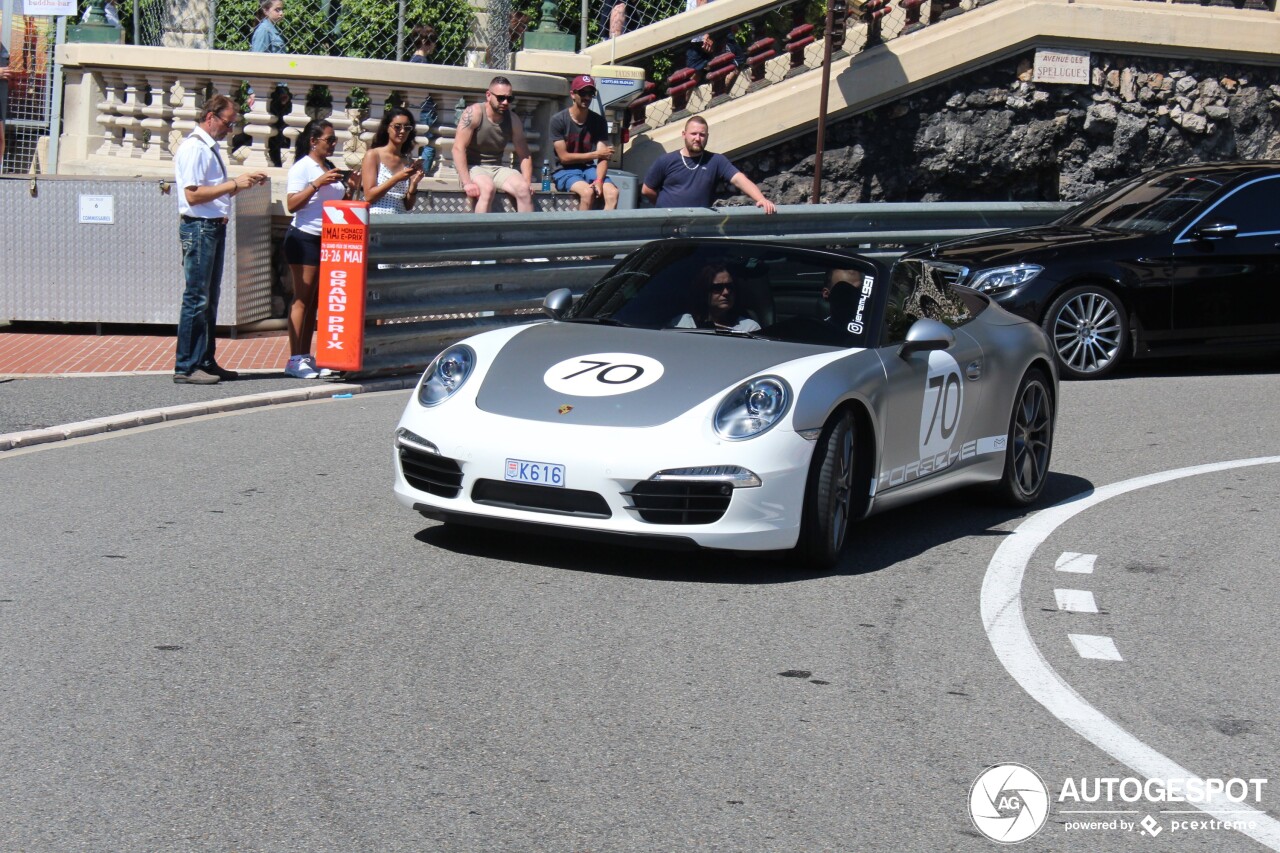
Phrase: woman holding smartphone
(313, 180)
(390, 174)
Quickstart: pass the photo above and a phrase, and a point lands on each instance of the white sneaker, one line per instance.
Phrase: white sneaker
(322, 372)
(301, 368)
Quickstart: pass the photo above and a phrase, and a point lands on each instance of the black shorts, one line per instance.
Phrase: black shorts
(302, 249)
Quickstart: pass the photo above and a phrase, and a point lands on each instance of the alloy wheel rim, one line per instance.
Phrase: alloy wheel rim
(843, 490)
(1031, 436)
(1086, 333)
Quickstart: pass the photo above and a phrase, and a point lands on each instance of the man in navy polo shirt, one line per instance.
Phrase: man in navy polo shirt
(688, 178)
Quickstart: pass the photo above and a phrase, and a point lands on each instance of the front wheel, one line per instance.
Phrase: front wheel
(828, 495)
(1030, 442)
(1089, 331)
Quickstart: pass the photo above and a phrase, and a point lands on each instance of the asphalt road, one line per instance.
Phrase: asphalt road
(224, 634)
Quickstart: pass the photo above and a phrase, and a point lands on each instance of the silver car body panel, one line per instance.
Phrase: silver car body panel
(691, 368)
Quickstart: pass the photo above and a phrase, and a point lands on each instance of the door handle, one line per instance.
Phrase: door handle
(973, 370)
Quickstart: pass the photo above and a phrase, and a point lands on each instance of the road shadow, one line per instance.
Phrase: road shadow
(1260, 362)
(875, 544)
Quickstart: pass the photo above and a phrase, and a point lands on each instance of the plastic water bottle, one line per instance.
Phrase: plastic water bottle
(546, 176)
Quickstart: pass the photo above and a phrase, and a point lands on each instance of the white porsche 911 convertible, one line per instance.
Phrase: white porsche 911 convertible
(734, 395)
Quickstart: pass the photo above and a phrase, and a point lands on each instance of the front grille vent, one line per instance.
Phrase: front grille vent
(680, 502)
(431, 473)
(540, 499)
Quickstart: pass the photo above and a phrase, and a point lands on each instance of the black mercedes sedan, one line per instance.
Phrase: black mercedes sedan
(1179, 261)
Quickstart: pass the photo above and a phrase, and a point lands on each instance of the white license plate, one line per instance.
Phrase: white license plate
(536, 473)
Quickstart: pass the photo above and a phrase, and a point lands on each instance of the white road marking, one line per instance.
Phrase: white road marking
(1076, 600)
(1095, 647)
(1081, 564)
(1007, 630)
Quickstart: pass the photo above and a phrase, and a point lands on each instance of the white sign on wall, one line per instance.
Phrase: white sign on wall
(97, 209)
(1061, 66)
(49, 7)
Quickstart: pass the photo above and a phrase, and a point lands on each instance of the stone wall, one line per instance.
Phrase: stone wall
(993, 135)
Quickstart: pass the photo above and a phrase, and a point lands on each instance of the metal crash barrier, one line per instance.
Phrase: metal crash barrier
(429, 281)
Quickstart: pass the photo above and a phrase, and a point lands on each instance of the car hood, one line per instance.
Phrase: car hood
(1027, 245)
(621, 377)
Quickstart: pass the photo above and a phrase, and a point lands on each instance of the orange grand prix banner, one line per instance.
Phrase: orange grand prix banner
(344, 246)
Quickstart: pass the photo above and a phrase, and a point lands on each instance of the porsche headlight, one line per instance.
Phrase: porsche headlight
(1004, 278)
(446, 374)
(752, 408)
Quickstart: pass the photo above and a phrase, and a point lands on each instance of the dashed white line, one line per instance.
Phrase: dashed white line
(1007, 630)
(1095, 647)
(1081, 564)
(1076, 600)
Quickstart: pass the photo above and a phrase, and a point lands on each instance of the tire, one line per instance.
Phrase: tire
(1089, 331)
(1030, 442)
(824, 521)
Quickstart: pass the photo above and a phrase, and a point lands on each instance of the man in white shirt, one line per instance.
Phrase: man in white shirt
(204, 205)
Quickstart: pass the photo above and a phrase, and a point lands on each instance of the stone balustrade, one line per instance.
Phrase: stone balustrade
(126, 109)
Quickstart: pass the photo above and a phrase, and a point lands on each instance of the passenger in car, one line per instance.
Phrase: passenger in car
(834, 278)
(842, 297)
(717, 305)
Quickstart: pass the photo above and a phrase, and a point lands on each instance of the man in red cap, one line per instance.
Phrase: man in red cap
(580, 139)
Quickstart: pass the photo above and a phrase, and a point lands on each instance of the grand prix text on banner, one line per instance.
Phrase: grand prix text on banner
(344, 247)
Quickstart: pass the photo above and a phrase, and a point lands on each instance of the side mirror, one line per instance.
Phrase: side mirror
(1214, 231)
(557, 302)
(925, 335)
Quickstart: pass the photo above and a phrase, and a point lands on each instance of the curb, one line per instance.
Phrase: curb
(129, 420)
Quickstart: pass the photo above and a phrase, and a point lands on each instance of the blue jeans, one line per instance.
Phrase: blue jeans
(202, 243)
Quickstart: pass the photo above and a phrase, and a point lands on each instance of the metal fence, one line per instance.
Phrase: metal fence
(361, 29)
(769, 47)
(610, 18)
(433, 280)
(30, 41)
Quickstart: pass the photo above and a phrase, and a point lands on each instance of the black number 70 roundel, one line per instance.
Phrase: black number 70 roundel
(603, 374)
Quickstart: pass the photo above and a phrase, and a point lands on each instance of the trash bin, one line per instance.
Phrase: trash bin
(628, 188)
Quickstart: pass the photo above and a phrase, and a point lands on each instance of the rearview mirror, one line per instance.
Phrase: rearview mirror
(557, 302)
(926, 335)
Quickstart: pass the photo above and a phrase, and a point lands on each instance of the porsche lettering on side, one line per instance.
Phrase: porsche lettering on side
(734, 395)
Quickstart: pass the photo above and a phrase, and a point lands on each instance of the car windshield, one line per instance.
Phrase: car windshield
(738, 290)
(1148, 204)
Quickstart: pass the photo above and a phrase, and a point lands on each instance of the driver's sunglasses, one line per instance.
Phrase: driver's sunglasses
(503, 99)
(587, 93)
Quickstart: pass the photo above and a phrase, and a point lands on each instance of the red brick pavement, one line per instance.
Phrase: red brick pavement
(26, 351)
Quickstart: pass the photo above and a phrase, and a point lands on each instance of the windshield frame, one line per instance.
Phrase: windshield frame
(1152, 203)
(776, 291)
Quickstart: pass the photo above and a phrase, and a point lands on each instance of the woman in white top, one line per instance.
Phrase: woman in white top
(389, 174)
(313, 180)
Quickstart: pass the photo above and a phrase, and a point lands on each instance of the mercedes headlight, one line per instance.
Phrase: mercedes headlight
(446, 374)
(1004, 278)
(752, 408)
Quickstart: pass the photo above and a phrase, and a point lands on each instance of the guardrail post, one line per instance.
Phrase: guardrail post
(344, 253)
